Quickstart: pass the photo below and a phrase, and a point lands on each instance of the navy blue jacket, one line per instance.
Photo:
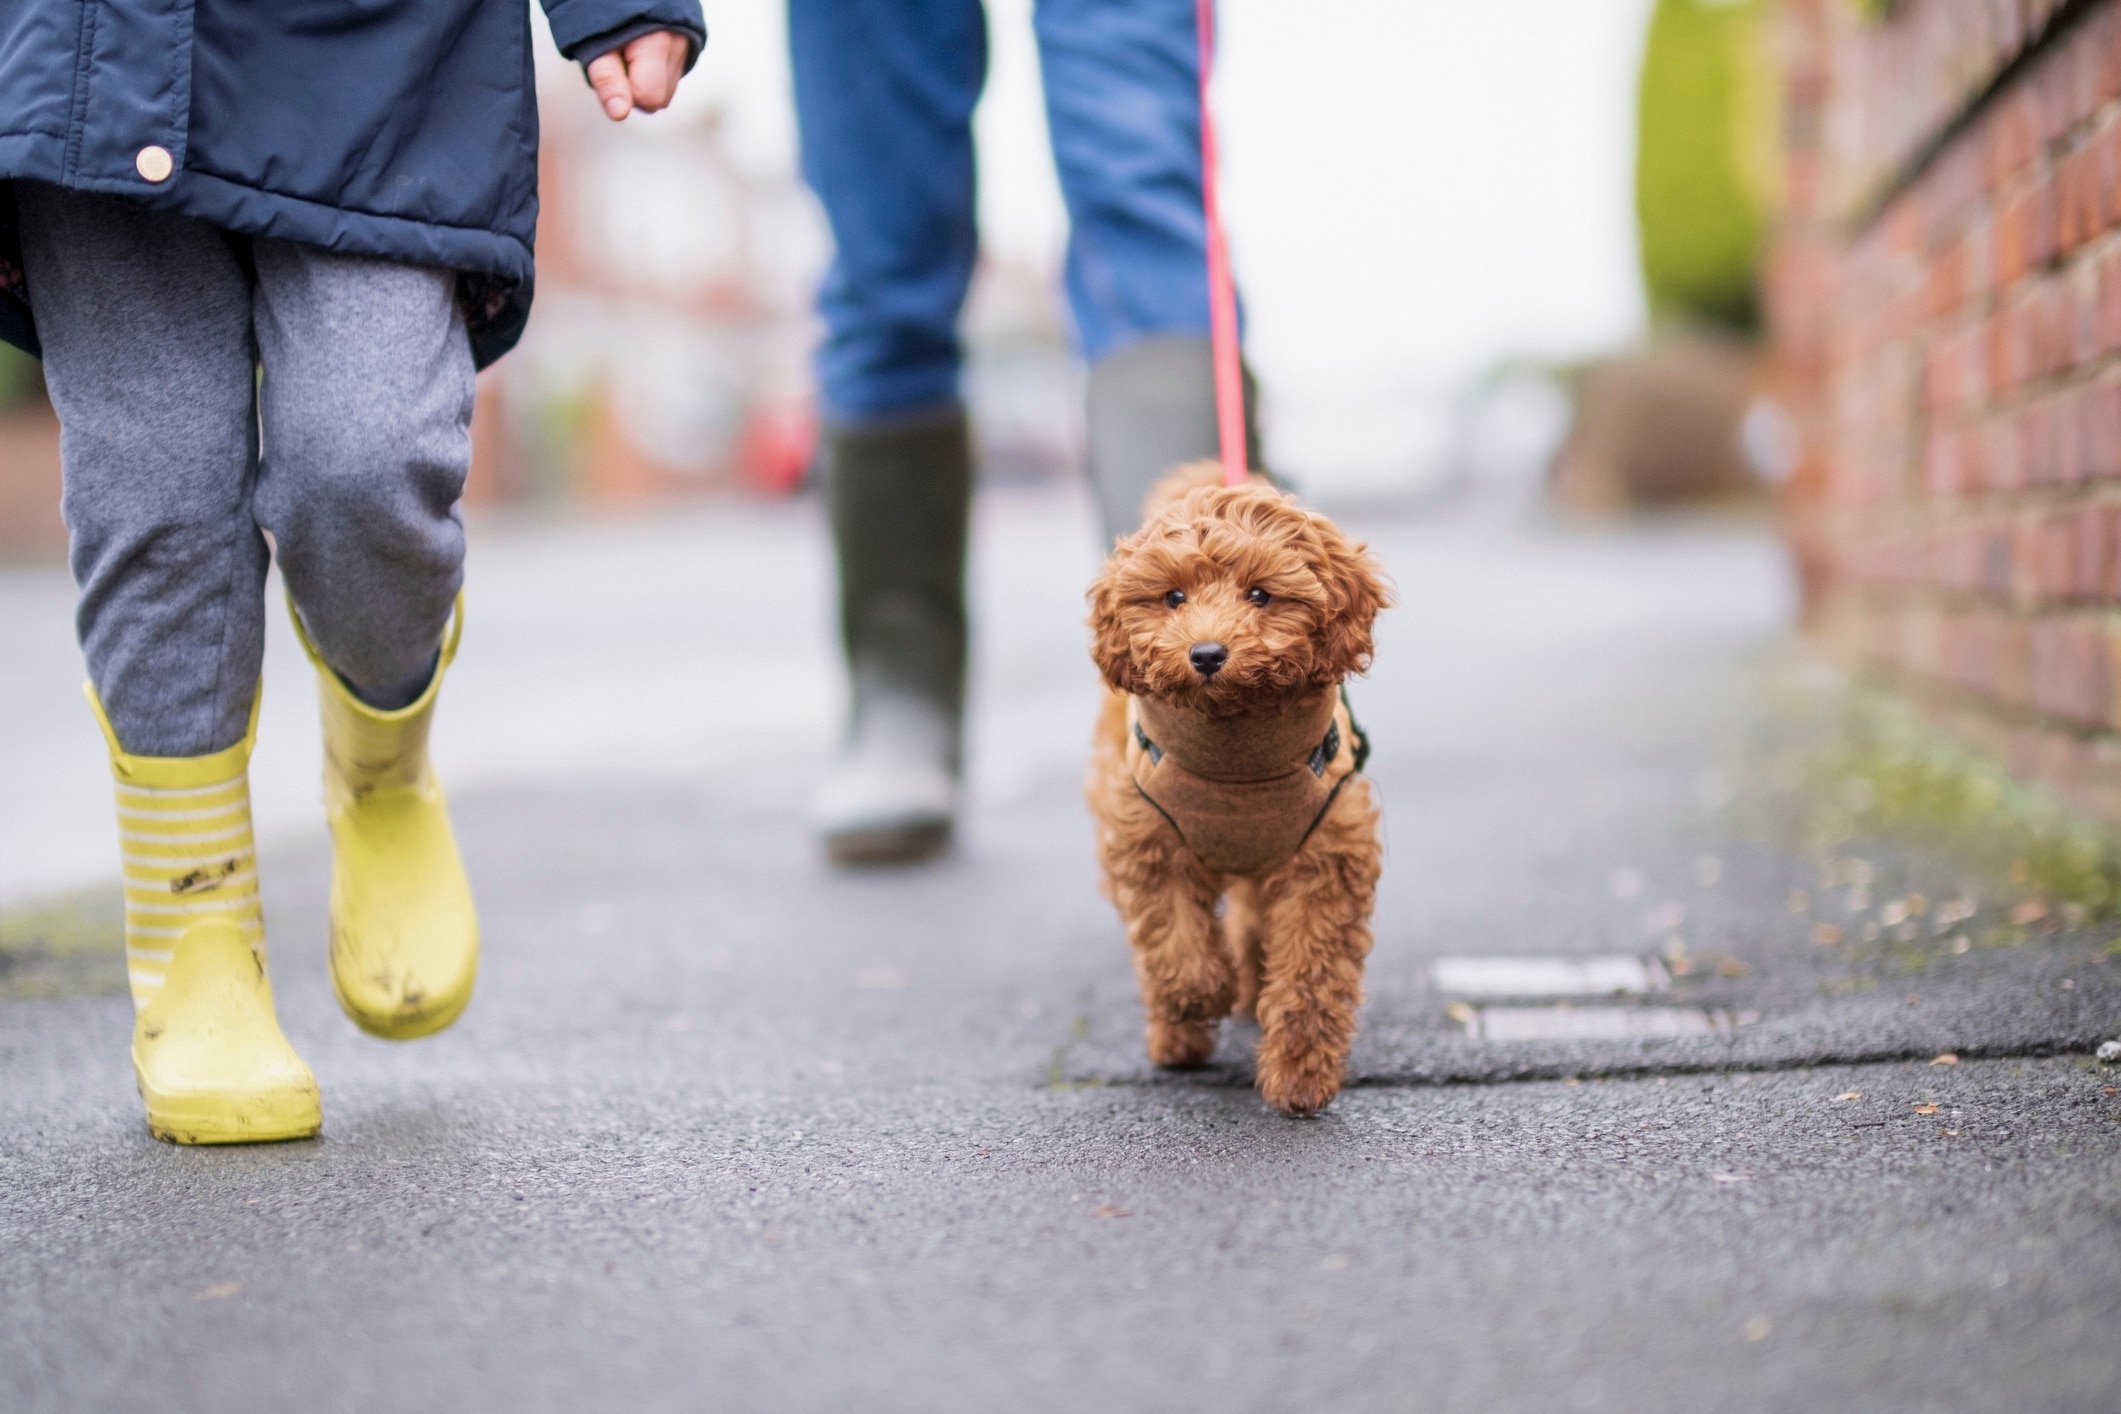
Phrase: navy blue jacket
(400, 128)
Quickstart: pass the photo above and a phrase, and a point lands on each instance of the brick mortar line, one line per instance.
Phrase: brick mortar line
(2021, 396)
(1925, 425)
(1871, 212)
(1996, 195)
(1979, 307)
(1994, 299)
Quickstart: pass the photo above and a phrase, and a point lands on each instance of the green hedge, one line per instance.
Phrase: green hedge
(1704, 159)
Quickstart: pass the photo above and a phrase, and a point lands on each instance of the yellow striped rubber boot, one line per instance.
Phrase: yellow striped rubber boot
(212, 1064)
(404, 935)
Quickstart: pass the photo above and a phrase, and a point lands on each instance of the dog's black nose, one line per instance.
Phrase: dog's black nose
(1208, 658)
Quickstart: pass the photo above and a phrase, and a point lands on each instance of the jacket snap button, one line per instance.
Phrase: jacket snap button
(154, 163)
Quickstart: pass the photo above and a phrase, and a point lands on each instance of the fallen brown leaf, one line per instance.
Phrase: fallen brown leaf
(2031, 911)
(1949, 1133)
(1925, 1109)
(1847, 1096)
(1948, 1058)
(1112, 1210)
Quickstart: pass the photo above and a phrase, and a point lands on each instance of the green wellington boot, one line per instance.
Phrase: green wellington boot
(901, 496)
(1150, 407)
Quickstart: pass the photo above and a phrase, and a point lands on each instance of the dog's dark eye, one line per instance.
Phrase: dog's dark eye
(1175, 598)
(1259, 596)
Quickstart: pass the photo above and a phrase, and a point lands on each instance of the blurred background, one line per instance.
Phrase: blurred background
(1846, 272)
(1477, 226)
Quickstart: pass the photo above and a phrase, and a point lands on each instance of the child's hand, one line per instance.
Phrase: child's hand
(642, 74)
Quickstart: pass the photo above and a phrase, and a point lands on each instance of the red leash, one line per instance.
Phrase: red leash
(1222, 292)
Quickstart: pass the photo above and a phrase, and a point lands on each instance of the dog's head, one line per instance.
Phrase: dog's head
(1232, 596)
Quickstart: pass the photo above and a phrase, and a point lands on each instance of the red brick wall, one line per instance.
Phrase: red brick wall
(1946, 303)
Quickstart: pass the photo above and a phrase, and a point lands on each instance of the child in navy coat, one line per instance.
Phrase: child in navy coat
(262, 250)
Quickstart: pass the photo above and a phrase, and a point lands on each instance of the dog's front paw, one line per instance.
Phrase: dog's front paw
(1181, 1045)
(1300, 1085)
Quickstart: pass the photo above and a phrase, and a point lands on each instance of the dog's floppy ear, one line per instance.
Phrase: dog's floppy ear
(1355, 594)
(1109, 648)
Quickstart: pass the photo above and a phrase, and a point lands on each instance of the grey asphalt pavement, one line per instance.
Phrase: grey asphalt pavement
(725, 1129)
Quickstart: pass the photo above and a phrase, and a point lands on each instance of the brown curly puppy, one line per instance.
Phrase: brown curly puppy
(1237, 839)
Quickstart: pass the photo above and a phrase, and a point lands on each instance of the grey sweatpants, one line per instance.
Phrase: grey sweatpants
(351, 450)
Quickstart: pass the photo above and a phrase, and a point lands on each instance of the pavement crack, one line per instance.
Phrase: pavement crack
(1535, 1072)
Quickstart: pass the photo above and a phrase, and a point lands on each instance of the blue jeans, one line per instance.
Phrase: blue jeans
(884, 94)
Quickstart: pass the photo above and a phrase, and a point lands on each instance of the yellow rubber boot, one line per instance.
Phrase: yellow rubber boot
(211, 1062)
(404, 934)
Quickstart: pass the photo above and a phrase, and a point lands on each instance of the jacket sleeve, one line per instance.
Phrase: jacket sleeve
(584, 29)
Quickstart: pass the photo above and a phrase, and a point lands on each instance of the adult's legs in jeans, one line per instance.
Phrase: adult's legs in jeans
(884, 94)
(1123, 103)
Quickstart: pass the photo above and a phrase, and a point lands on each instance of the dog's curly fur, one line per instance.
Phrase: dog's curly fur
(1289, 945)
